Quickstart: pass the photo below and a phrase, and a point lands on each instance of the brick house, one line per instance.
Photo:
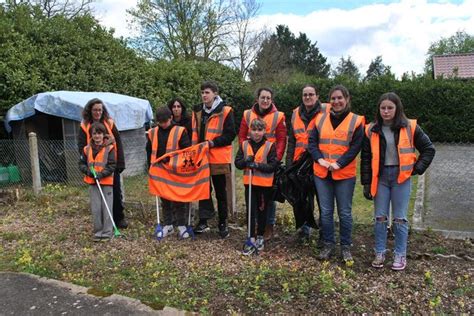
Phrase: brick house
(454, 65)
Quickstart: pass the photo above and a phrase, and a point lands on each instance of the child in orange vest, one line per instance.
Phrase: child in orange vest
(99, 155)
(259, 155)
(174, 212)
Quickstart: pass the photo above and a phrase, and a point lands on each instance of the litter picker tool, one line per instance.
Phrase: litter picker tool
(189, 228)
(158, 230)
(116, 231)
(249, 242)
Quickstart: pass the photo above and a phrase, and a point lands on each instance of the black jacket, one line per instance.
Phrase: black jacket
(228, 133)
(186, 123)
(269, 167)
(306, 117)
(421, 141)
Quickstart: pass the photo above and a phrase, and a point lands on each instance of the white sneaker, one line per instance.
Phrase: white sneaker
(260, 243)
(182, 232)
(168, 229)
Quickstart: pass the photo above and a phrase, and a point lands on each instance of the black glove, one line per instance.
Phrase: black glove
(252, 165)
(249, 159)
(367, 194)
(98, 176)
(120, 170)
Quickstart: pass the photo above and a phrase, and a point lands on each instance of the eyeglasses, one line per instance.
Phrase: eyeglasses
(308, 95)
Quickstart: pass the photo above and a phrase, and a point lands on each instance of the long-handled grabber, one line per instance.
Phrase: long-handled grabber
(94, 174)
(158, 230)
(189, 228)
(249, 242)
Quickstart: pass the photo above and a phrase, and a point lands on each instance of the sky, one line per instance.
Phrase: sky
(399, 31)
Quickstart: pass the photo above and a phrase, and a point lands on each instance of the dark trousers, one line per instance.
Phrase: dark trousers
(174, 213)
(304, 211)
(206, 207)
(261, 197)
(118, 198)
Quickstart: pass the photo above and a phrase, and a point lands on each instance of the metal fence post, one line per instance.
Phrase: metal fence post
(34, 158)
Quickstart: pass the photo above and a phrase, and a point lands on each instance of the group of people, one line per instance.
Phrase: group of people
(329, 134)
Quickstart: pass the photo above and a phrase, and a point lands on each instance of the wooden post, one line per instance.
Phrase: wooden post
(34, 158)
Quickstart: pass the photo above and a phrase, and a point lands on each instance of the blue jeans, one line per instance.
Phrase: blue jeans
(342, 190)
(271, 213)
(388, 190)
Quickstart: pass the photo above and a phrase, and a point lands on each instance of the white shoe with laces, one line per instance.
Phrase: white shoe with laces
(182, 232)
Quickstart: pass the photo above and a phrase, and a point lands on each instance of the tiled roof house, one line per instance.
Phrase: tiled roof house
(454, 65)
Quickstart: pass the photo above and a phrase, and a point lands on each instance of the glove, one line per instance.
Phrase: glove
(249, 159)
(120, 170)
(252, 165)
(367, 194)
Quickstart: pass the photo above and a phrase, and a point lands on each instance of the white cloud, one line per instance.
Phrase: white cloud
(400, 32)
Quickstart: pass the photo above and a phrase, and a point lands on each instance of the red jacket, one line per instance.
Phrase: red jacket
(280, 131)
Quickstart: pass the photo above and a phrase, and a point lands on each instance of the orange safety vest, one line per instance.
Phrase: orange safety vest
(301, 132)
(406, 153)
(263, 179)
(214, 128)
(185, 177)
(272, 120)
(173, 140)
(335, 143)
(109, 125)
(99, 163)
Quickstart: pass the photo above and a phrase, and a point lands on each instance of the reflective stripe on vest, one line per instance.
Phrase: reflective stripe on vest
(405, 149)
(333, 143)
(301, 132)
(172, 144)
(99, 163)
(263, 179)
(272, 120)
(214, 128)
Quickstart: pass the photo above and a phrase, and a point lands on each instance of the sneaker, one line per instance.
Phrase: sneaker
(96, 238)
(399, 263)
(260, 243)
(223, 230)
(249, 249)
(183, 232)
(379, 260)
(201, 228)
(168, 229)
(346, 254)
(327, 252)
(122, 223)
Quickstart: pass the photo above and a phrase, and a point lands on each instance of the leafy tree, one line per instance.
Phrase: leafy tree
(189, 29)
(347, 68)
(460, 42)
(283, 54)
(377, 69)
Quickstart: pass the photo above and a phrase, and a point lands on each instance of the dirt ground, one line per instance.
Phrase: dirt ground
(50, 235)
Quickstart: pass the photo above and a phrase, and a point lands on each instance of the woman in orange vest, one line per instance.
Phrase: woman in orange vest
(257, 154)
(302, 123)
(100, 155)
(334, 143)
(95, 111)
(388, 160)
(275, 132)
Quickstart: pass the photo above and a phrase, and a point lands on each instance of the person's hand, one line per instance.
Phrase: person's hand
(367, 193)
(326, 164)
(211, 143)
(249, 160)
(252, 165)
(334, 166)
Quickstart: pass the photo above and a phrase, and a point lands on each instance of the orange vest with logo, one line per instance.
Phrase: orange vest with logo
(333, 143)
(406, 153)
(109, 125)
(173, 140)
(99, 163)
(301, 132)
(272, 120)
(214, 128)
(259, 178)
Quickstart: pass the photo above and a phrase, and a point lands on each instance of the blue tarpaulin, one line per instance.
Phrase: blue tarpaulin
(127, 112)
